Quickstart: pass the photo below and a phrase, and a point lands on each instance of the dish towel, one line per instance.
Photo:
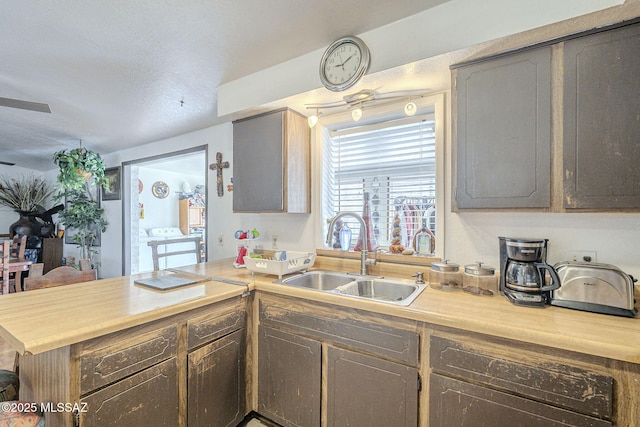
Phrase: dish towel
(348, 289)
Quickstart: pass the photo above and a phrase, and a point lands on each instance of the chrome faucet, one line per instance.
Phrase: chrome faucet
(364, 233)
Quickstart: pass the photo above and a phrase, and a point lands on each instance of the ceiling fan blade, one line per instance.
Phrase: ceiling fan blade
(25, 105)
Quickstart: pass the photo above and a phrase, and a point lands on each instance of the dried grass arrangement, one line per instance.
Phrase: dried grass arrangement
(24, 193)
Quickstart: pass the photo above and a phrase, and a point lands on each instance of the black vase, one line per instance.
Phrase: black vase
(27, 225)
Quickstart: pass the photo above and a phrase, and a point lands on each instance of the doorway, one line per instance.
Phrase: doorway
(164, 198)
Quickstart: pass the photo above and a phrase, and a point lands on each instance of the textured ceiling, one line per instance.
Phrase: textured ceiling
(114, 72)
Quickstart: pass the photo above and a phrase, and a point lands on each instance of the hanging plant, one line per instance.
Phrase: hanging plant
(77, 167)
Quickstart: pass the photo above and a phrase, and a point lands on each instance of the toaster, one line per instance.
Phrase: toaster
(599, 288)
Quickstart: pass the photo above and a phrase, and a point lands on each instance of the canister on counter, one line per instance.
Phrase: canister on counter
(479, 279)
(445, 275)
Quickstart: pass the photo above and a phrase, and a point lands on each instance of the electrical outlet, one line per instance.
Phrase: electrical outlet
(220, 240)
(582, 256)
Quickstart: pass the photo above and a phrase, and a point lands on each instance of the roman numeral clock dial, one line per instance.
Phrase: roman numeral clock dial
(344, 63)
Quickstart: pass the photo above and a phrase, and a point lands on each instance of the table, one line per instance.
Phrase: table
(11, 265)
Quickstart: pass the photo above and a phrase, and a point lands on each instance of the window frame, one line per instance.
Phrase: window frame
(433, 104)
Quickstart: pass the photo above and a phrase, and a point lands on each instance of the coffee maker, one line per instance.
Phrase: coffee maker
(524, 270)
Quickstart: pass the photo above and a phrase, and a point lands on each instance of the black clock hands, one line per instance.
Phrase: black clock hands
(344, 62)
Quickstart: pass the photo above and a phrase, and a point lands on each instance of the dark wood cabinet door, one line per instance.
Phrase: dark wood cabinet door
(148, 398)
(289, 378)
(216, 383)
(602, 120)
(458, 403)
(503, 131)
(271, 163)
(258, 164)
(365, 391)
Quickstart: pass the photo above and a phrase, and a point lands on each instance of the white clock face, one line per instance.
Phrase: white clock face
(342, 63)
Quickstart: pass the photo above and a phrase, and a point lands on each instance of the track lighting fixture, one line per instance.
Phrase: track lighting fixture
(313, 119)
(410, 108)
(356, 114)
(357, 102)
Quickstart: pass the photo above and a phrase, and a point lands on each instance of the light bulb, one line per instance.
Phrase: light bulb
(312, 120)
(356, 114)
(410, 108)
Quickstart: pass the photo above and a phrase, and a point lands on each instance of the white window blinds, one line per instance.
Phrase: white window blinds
(395, 163)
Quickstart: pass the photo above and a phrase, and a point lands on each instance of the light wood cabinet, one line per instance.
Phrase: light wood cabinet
(191, 216)
(271, 163)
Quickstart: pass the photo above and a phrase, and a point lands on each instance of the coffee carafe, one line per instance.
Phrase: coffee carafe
(524, 271)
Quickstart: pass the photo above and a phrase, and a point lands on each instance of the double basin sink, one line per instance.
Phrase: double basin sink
(387, 290)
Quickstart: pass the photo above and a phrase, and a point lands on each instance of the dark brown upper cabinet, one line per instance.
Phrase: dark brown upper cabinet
(271, 163)
(601, 144)
(503, 131)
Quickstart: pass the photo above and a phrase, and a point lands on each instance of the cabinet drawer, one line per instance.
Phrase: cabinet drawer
(209, 327)
(559, 384)
(121, 358)
(148, 398)
(382, 340)
(457, 403)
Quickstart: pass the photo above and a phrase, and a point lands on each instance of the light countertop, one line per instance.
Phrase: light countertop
(42, 320)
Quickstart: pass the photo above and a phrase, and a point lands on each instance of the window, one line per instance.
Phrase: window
(394, 161)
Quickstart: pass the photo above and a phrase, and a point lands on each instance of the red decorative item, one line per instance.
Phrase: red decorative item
(372, 244)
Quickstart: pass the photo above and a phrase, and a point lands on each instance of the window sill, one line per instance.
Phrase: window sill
(418, 260)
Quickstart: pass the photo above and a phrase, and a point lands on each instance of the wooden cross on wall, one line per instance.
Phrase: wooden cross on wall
(218, 166)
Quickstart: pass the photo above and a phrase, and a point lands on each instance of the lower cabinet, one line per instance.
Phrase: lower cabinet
(368, 391)
(317, 369)
(476, 383)
(459, 403)
(148, 398)
(216, 382)
(289, 378)
(187, 370)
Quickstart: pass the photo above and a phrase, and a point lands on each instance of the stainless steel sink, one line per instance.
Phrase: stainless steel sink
(320, 280)
(387, 290)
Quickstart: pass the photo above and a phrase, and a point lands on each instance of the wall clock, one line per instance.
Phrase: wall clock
(344, 63)
(160, 189)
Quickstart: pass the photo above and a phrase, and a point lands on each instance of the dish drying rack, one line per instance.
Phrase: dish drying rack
(270, 263)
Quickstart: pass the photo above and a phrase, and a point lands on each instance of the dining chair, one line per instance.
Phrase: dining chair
(156, 255)
(13, 251)
(57, 277)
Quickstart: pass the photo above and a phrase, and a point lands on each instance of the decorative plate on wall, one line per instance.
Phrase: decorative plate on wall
(140, 186)
(160, 189)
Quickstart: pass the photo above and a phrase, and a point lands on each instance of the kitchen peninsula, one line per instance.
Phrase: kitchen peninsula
(130, 351)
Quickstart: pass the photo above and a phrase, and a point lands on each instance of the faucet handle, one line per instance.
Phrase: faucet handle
(419, 277)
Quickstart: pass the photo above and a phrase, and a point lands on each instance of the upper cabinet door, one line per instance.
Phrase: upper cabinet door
(271, 163)
(602, 120)
(503, 131)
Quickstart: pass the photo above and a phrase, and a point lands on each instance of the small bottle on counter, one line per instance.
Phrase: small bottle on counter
(445, 275)
(479, 279)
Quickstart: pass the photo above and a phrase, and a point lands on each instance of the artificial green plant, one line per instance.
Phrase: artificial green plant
(80, 172)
